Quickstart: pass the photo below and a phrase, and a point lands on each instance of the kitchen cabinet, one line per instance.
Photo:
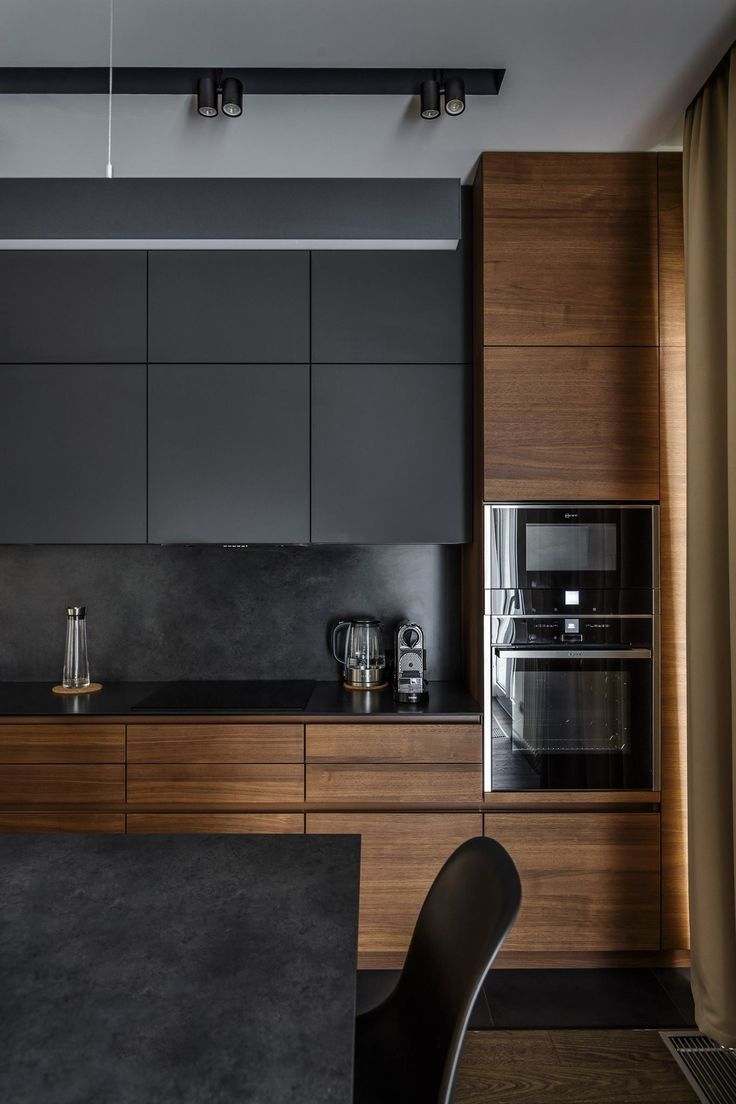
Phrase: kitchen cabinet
(62, 783)
(401, 854)
(62, 822)
(571, 424)
(214, 785)
(73, 462)
(390, 453)
(62, 743)
(569, 250)
(590, 881)
(71, 306)
(228, 453)
(273, 824)
(228, 305)
(215, 743)
(417, 784)
(396, 307)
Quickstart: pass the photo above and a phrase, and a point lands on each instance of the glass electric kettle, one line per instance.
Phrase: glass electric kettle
(360, 651)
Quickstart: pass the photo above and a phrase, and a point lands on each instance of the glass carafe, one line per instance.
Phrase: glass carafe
(76, 661)
(360, 652)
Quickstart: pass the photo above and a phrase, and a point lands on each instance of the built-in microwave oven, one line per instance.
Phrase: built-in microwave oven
(571, 648)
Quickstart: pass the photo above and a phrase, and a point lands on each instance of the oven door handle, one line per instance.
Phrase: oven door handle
(588, 653)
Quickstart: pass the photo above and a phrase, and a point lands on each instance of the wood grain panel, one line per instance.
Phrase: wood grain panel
(225, 823)
(671, 251)
(499, 799)
(216, 743)
(673, 556)
(215, 784)
(62, 743)
(590, 881)
(571, 424)
(62, 822)
(401, 854)
(394, 743)
(61, 783)
(570, 249)
(569, 185)
(380, 782)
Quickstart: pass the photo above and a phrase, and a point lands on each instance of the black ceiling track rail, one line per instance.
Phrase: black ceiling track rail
(256, 82)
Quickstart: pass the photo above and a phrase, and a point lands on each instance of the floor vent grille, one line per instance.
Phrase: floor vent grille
(710, 1068)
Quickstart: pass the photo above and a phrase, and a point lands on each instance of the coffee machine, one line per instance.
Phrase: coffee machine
(410, 664)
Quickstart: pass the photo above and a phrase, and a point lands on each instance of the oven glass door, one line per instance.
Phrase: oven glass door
(562, 722)
(586, 547)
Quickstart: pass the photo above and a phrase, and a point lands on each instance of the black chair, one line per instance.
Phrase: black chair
(408, 1047)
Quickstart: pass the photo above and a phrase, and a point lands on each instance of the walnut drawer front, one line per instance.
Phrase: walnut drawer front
(62, 822)
(394, 743)
(61, 783)
(211, 785)
(400, 856)
(355, 784)
(62, 743)
(591, 881)
(226, 823)
(216, 743)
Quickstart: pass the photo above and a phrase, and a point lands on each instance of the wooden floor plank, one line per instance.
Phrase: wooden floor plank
(569, 1067)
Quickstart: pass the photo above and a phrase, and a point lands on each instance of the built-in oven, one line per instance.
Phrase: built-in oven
(571, 667)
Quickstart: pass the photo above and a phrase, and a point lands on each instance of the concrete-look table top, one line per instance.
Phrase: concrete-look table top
(177, 969)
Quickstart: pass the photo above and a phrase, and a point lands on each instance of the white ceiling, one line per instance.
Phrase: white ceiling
(581, 74)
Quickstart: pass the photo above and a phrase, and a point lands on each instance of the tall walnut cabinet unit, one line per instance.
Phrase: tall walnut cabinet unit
(579, 396)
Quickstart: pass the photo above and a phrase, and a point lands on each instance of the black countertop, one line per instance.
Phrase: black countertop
(446, 701)
(187, 968)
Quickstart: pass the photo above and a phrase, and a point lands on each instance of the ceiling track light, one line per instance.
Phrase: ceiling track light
(429, 94)
(232, 97)
(207, 97)
(454, 95)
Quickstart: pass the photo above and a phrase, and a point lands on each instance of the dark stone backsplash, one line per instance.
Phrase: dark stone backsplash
(203, 612)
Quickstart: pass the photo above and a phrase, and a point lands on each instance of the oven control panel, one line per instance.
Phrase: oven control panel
(578, 632)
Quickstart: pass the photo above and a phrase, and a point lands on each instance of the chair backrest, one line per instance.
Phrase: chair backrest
(465, 918)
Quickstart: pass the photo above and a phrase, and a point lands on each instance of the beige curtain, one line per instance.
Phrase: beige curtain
(710, 280)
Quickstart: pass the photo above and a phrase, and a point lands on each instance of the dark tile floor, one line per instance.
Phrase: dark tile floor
(547, 999)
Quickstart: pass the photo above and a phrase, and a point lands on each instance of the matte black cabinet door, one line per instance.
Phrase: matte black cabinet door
(72, 306)
(73, 453)
(390, 453)
(412, 307)
(239, 306)
(228, 453)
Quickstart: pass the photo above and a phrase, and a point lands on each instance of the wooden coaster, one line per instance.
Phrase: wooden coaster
(91, 689)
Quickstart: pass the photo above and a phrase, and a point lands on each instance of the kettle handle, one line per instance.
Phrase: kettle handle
(335, 631)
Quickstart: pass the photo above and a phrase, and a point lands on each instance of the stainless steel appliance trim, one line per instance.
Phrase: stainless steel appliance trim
(487, 719)
(576, 613)
(656, 688)
(570, 506)
(586, 653)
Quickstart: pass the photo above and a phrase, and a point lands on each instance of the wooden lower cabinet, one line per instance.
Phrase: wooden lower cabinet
(216, 743)
(62, 743)
(215, 784)
(62, 822)
(394, 743)
(400, 855)
(203, 823)
(62, 783)
(590, 881)
(410, 784)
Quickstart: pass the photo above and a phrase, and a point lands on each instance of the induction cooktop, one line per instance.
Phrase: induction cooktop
(254, 696)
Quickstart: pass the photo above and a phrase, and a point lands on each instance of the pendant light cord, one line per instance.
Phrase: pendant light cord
(108, 170)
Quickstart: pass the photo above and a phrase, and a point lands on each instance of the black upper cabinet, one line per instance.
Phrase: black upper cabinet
(235, 306)
(390, 453)
(390, 307)
(72, 306)
(228, 454)
(73, 467)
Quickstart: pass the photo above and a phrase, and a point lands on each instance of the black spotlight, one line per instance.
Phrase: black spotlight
(430, 98)
(454, 96)
(232, 97)
(207, 97)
